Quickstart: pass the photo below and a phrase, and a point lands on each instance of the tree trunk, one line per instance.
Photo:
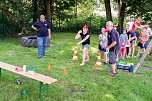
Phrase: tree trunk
(44, 8)
(51, 9)
(108, 10)
(35, 10)
(16, 18)
(121, 17)
(118, 8)
(76, 7)
(48, 10)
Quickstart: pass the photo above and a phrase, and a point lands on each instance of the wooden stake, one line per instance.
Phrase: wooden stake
(143, 57)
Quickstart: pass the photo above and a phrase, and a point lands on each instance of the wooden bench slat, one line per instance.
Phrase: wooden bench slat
(36, 76)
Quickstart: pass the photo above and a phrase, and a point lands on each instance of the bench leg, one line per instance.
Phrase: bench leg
(46, 89)
(40, 93)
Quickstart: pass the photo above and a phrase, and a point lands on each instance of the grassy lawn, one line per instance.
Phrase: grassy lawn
(86, 83)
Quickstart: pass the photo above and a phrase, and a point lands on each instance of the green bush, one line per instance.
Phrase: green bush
(8, 27)
(94, 23)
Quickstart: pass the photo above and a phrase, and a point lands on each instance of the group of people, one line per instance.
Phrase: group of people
(110, 42)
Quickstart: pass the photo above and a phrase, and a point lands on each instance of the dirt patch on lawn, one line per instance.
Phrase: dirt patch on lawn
(75, 90)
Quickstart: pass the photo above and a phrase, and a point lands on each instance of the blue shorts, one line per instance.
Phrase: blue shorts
(133, 42)
(85, 46)
(133, 34)
(141, 45)
(101, 48)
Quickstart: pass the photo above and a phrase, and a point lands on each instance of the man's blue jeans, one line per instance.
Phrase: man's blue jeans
(42, 43)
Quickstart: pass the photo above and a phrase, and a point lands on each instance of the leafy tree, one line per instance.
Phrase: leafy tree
(15, 9)
(136, 9)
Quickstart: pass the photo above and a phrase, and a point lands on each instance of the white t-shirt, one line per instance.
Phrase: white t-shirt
(130, 25)
(104, 40)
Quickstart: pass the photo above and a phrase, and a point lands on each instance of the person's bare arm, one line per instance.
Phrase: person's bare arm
(126, 40)
(132, 38)
(49, 31)
(99, 39)
(141, 26)
(84, 39)
(146, 38)
(78, 35)
(34, 28)
(112, 45)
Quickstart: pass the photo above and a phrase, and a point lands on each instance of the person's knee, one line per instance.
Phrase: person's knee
(105, 54)
(85, 49)
(40, 44)
(113, 65)
(84, 52)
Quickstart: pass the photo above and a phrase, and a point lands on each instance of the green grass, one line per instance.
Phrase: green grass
(86, 83)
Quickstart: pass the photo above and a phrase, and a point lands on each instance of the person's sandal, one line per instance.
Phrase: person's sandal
(111, 73)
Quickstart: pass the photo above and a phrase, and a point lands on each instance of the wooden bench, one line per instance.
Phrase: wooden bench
(38, 77)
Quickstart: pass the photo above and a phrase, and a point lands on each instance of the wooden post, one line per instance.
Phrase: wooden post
(143, 57)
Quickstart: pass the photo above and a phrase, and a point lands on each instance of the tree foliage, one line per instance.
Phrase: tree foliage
(62, 13)
(135, 9)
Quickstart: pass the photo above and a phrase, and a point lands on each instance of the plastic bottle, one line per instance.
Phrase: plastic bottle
(24, 68)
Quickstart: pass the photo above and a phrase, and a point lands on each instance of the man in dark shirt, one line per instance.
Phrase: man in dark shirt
(113, 46)
(43, 34)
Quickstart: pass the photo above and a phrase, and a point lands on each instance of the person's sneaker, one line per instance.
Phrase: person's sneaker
(137, 55)
(39, 57)
(112, 74)
(44, 55)
(104, 63)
